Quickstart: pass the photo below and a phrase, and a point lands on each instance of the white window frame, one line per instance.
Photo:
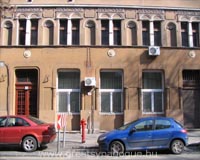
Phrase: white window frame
(68, 92)
(153, 91)
(111, 91)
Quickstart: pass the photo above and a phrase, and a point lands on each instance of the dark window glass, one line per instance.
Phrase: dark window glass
(22, 31)
(111, 91)
(75, 32)
(144, 126)
(69, 91)
(105, 32)
(162, 124)
(195, 30)
(3, 121)
(145, 33)
(63, 31)
(157, 33)
(34, 32)
(184, 34)
(152, 80)
(117, 32)
(191, 78)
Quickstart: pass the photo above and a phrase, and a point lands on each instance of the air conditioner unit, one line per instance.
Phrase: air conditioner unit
(154, 50)
(90, 81)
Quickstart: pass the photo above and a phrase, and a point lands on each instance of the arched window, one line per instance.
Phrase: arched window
(171, 34)
(132, 33)
(7, 40)
(90, 34)
(49, 33)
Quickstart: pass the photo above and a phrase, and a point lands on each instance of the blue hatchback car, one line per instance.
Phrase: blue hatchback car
(145, 134)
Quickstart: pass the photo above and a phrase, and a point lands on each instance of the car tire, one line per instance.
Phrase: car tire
(29, 144)
(177, 146)
(117, 148)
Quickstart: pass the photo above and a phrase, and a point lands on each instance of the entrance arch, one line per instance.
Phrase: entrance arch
(26, 88)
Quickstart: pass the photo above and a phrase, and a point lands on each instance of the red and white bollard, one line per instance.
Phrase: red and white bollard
(83, 126)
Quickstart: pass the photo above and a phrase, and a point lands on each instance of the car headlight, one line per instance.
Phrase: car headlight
(102, 138)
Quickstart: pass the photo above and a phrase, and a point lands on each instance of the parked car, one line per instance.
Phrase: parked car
(29, 132)
(145, 134)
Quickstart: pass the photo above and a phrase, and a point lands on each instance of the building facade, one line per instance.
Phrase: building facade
(106, 62)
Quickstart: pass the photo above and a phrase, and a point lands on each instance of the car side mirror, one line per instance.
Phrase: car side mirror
(132, 130)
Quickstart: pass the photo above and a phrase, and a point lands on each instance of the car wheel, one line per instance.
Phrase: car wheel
(117, 148)
(177, 146)
(29, 144)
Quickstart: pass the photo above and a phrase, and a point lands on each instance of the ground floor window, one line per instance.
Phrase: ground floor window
(152, 92)
(111, 91)
(68, 91)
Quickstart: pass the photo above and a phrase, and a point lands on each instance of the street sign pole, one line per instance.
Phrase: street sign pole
(58, 142)
(64, 131)
(61, 123)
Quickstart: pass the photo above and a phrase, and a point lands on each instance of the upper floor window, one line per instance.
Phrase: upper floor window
(171, 35)
(105, 32)
(132, 33)
(63, 31)
(157, 33)
(111, 91)
(34, 31)
(195, 34)
(145, 33)
(7, 33)
(117, 32)
(152, 92)
(90, 33)
(68, 91)
(49, 33)
(75, 32)
(151, 33)
(22, 31)
(184, 34)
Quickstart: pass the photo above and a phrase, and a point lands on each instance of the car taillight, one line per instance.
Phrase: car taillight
(184, 131)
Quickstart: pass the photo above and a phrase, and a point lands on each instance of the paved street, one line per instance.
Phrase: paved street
(74, 149)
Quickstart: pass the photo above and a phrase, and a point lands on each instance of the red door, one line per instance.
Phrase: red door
(26, 92)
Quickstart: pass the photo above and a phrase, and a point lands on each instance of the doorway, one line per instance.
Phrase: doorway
(26, 92)
(191, 94)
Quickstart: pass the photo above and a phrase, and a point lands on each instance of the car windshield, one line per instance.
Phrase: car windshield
(124, 127)
(36, 120)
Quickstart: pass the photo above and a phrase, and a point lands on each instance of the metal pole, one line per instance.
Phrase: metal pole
(58, 142)
(64, 136)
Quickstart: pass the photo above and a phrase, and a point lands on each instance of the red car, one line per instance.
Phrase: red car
(29, 132)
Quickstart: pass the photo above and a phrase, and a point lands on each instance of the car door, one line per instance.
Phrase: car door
(162, 134)
(3, 121)
(141, 138)
(11, 133)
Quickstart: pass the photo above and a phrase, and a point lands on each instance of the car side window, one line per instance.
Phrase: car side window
(13, 122)
(162, 124)
(144, 125)
(3, 121)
